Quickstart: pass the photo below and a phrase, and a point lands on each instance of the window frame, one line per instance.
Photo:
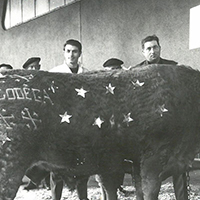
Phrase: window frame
(23, 20)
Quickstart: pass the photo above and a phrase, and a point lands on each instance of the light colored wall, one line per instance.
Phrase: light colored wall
(42, 37)
(106, 28)
(116, 28)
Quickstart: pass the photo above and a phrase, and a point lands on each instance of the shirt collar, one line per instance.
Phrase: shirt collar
(80, 68)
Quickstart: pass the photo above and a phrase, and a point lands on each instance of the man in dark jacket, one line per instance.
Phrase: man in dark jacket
(151, 50)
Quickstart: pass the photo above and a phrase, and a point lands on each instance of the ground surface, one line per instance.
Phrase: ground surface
(166, 193)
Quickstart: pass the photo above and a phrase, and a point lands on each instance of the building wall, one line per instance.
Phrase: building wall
(42, 37)
(106, 28)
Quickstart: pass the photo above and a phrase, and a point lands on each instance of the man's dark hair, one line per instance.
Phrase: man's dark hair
(73, 43)
(150, 38)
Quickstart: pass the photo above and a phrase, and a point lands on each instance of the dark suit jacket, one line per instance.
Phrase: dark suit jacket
(162, 61)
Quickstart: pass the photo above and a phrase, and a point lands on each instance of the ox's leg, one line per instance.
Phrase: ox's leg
(36, 173)
(81, 186)
(99, 180)
(138, 182)
(10, 181)
(180, 186)
(150, 169)
(110, 183)
(47, 181)
(56, 184)
(13, 164)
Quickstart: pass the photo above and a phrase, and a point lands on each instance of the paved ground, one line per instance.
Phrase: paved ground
(166, 192)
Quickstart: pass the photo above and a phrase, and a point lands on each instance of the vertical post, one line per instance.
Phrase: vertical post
(35, 8)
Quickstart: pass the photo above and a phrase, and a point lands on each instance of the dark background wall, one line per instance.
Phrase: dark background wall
(106, 28)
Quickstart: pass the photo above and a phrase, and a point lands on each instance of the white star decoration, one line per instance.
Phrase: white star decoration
(81, 92)
(127, 119)
(98, 122)
(110, 89)
(162, 109)
(65, 117)
(137, 84)
(4, 138)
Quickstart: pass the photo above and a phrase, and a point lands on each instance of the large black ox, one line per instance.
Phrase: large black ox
(79, 125)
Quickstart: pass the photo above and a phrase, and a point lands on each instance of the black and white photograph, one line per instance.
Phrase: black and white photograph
(100, 100)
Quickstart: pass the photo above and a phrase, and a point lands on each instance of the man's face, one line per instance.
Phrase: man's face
(33, 66)
(71, 54)
(151, 51)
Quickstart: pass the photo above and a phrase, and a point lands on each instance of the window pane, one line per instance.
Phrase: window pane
(28, 10)
(7, 16)
(194, 27)
(16, 14)
(70, 1)
(56, 3)
(42, 7)
(19, 11)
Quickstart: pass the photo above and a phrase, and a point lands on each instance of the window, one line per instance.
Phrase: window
(15, 15)
(56, 3)
(28, 12)
(194, 27)
(19, 11)
(42, 7)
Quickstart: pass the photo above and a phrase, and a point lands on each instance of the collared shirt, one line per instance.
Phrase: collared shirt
(65, 69)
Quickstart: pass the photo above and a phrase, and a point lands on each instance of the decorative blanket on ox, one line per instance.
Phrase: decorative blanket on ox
(89, 123)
